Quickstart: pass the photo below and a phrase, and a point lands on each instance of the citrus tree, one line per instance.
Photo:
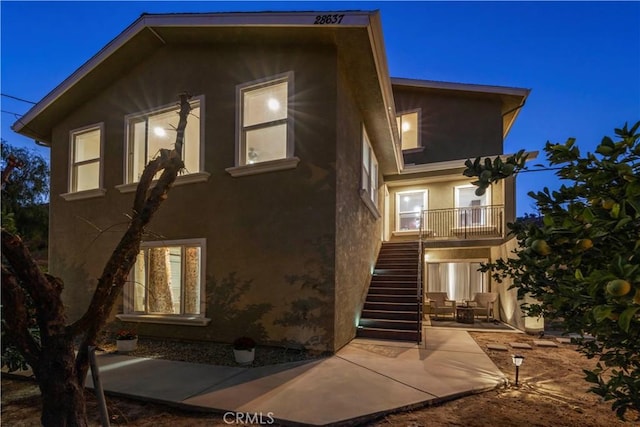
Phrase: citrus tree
(582, 263)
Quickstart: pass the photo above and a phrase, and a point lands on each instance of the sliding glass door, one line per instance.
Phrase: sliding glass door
(460, 280)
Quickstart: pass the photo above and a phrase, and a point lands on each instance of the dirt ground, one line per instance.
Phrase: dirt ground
(551, 392)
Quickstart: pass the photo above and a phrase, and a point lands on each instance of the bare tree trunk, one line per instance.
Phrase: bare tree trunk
(63, 402)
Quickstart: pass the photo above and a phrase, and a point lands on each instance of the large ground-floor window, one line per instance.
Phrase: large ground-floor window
(460, 280)
(168, 279)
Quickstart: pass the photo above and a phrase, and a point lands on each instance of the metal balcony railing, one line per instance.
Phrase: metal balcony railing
(478, 222)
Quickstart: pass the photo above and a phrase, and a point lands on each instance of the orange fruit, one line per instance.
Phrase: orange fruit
(541, 247)
(584, 244)
(618, 287)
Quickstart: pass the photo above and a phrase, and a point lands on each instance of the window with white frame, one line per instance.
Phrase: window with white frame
(264, 120)
(168, 279)
(409, 126)
(86, 154)
(409, 208)
(148, 133)
(369, 169)
(471, 209)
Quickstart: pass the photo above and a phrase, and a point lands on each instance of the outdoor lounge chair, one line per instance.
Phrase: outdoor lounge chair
(482, 304)
(439, 303)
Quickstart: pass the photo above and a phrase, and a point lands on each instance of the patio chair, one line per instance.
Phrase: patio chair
(439, 303)
(482, 304)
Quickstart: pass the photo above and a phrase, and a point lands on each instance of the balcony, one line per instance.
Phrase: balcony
(481, 222)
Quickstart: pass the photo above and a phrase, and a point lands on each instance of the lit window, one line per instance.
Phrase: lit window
(369, 169)
(86, 149)
(408, 125)
(155, 130)
(264, 121)
(472, 209)
(409, 207)
(168, 279)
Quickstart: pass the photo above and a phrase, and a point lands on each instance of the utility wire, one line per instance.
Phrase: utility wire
(18, 99)
(11, 112)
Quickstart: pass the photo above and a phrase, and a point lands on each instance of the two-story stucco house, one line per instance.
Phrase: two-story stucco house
(303, 158)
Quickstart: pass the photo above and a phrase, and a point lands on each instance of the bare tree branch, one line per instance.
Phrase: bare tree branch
(36, 284)
(16, 317)
(116, 271)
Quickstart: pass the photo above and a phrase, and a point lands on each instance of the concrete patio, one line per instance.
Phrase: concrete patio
(364, 380)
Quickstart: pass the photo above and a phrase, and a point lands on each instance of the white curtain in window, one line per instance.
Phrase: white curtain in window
(460, 280)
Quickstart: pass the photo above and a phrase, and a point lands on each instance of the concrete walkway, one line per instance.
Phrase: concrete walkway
(364, 379)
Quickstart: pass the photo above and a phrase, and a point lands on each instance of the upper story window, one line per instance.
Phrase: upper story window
(86, 159)
(369, 169)
(265, 120)
(148, 132)
(409, 208)
(168, 279)
(471, 209)
(409, 126)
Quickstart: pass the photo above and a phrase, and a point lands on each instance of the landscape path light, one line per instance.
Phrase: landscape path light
(517, 360)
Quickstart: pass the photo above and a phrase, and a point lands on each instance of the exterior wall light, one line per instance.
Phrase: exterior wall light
(517, 360)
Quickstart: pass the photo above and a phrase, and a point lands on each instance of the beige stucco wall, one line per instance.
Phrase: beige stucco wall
(440, 195)
(270, 237)
(510, 311)
(358, 234)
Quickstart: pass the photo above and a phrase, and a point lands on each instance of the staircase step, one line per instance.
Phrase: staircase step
(390, 276)
(399, 282)
(391, 309)
(392, 291)
(403, 325)
(390, 315)
(409, 299)
(391, 306)
(387, 334)
(401, 271)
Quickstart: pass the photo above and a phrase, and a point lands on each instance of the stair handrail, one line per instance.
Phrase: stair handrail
(419, 289)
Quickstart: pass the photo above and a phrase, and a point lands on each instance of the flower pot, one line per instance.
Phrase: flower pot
(244, 357)
(126, 346)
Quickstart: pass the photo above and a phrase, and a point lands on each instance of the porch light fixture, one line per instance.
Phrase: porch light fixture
(517, 360)
(158, 131)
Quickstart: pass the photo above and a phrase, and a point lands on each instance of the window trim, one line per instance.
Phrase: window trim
(242, 168)
(91, 192)
(425, 206)
(419, 146)
(160, 109)
(369, 195)
(179, 319)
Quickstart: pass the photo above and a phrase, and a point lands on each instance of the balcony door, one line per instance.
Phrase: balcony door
(471, 209)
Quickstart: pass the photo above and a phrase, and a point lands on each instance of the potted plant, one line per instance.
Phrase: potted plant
(244, 349)
(126, 341)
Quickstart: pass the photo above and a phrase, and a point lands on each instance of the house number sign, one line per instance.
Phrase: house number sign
(328, 19)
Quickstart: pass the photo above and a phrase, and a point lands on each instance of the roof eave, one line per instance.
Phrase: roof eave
(148, 21)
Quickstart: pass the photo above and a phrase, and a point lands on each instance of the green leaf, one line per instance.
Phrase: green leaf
(601, 312)
(625, 318)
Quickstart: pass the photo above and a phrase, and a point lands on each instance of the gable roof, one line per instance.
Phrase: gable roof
(357, 32)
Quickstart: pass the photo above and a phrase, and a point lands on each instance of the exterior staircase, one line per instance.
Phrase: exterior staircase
(392, 310)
